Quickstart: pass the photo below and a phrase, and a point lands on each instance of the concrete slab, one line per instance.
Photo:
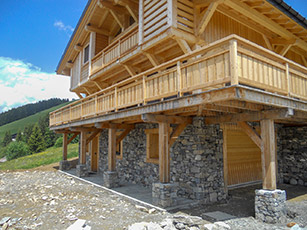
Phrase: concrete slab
(219, 216)
(136, 193)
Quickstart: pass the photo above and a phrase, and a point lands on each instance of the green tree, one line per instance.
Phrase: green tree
(19, 136)
(7, 138)
(36, 141)
(16, 149)
(27, 133)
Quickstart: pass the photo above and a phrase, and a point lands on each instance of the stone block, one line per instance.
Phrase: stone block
(65, 165)
(110, 179)
(164, 194)
(81, 170)
(270, 206)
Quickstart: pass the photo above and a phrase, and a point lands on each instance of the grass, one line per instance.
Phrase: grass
(14, 126)
(49, 156)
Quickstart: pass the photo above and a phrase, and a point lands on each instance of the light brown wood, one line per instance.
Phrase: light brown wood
(166, 119)
(112, 150)
(123, 135)
(65, 146)
(253, 135)
(94, 153)
(72, 138)
(164, 153)
(225, 161)
(92, 136)
(176, 133)
(268, 155)
(83, 147)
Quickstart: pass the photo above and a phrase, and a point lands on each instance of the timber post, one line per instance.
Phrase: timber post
(110, 177)
(81, 168)
(270, 203)
(64, 164)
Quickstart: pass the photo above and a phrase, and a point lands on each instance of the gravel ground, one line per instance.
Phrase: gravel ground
(51, 200)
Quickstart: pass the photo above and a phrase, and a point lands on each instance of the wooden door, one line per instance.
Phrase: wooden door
(94, 153)
(243, 157)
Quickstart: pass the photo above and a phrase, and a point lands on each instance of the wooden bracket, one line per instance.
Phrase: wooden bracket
(176, 133)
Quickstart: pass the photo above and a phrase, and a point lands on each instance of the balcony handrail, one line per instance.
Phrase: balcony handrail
(122, 36)
(195, 53)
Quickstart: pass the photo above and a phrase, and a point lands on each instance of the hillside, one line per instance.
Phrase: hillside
(13, 127)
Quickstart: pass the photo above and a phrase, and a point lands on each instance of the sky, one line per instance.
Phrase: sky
(33, 36)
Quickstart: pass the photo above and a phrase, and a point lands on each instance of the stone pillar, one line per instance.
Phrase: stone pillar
(110, 179)
(65, 165)
(270, 206)
(81, 170)
(164, 194)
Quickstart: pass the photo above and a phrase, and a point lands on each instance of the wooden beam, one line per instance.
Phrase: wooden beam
(97, 30)
(184, 45)
(253, 135)
(123, 135)
(117, 19)
(206, 17)
(103, 18)
(65, 146)
(112, 150)
(78, 48)
(93, 135)
(113, 125)
(82, 129)
(164, 153)
(72, 138)
(252, 116)
(263, 20)
(110, 6)
(130, 70)
(285, 50)
(268, 154)
(267, 42)
(83, 148)
(176, 133)
(79, 95)
(153, 118)
(282, 41)
(130, 6)
(225, 156)
(153, 60)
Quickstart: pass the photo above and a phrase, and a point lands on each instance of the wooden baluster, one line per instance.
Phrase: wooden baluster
(288, 80)
(179, 78)
(144, 90)
(234, 62)
(115, 98)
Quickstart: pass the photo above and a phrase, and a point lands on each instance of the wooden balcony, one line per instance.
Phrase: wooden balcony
(126, 42)
(229, 61)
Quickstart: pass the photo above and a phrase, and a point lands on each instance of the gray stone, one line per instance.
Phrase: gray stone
(110, 179)
(64, 165)
(4, 220)
(81, 170)
(270, 206)
(293, 181)
(164, 195)
(219, 216)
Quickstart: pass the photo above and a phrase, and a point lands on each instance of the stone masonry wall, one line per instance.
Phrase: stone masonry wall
(196, 160)
(292, 149)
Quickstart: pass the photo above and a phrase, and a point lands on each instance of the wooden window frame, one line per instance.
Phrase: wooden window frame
(83, 56)
(149, 136)
(120, 155)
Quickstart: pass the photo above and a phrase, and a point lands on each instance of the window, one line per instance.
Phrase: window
(152, 146)
(86, 54)
(119, 151)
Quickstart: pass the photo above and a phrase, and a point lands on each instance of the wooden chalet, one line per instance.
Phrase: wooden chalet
(220, 79)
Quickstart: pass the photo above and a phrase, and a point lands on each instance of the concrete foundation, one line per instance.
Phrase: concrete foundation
(164, 195)
(81, 170)
(270, 206)
(110, 179)
(65, 165)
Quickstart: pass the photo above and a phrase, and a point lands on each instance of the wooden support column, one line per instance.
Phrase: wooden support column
(164, 153)
(268, 154)
(65, 146)
(112, 150)
(83, 148)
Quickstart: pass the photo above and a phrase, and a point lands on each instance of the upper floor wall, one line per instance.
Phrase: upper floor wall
(120, 38)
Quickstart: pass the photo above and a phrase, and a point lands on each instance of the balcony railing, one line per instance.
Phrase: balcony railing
(232, 60)
(126, 42)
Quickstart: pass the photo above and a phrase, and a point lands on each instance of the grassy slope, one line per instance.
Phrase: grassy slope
(49, 156)
(20, 124)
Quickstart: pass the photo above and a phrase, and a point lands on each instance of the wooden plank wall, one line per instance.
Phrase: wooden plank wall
(102, 42)
(243, 157)
(221, 26)
(185, 15)
(75, 78)
(154, 18)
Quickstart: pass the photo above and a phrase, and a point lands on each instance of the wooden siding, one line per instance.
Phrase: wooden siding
(154, 17)
(75, 74)
(212, 66)
(101, 42)
(185, 15)
(243, 157)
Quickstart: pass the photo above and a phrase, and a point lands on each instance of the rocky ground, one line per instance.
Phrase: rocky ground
(51, 200)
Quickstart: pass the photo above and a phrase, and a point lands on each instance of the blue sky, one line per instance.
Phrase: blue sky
(34, 34)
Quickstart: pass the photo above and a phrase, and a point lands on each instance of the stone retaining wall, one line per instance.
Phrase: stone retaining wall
(292, 149)
(196, 160)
